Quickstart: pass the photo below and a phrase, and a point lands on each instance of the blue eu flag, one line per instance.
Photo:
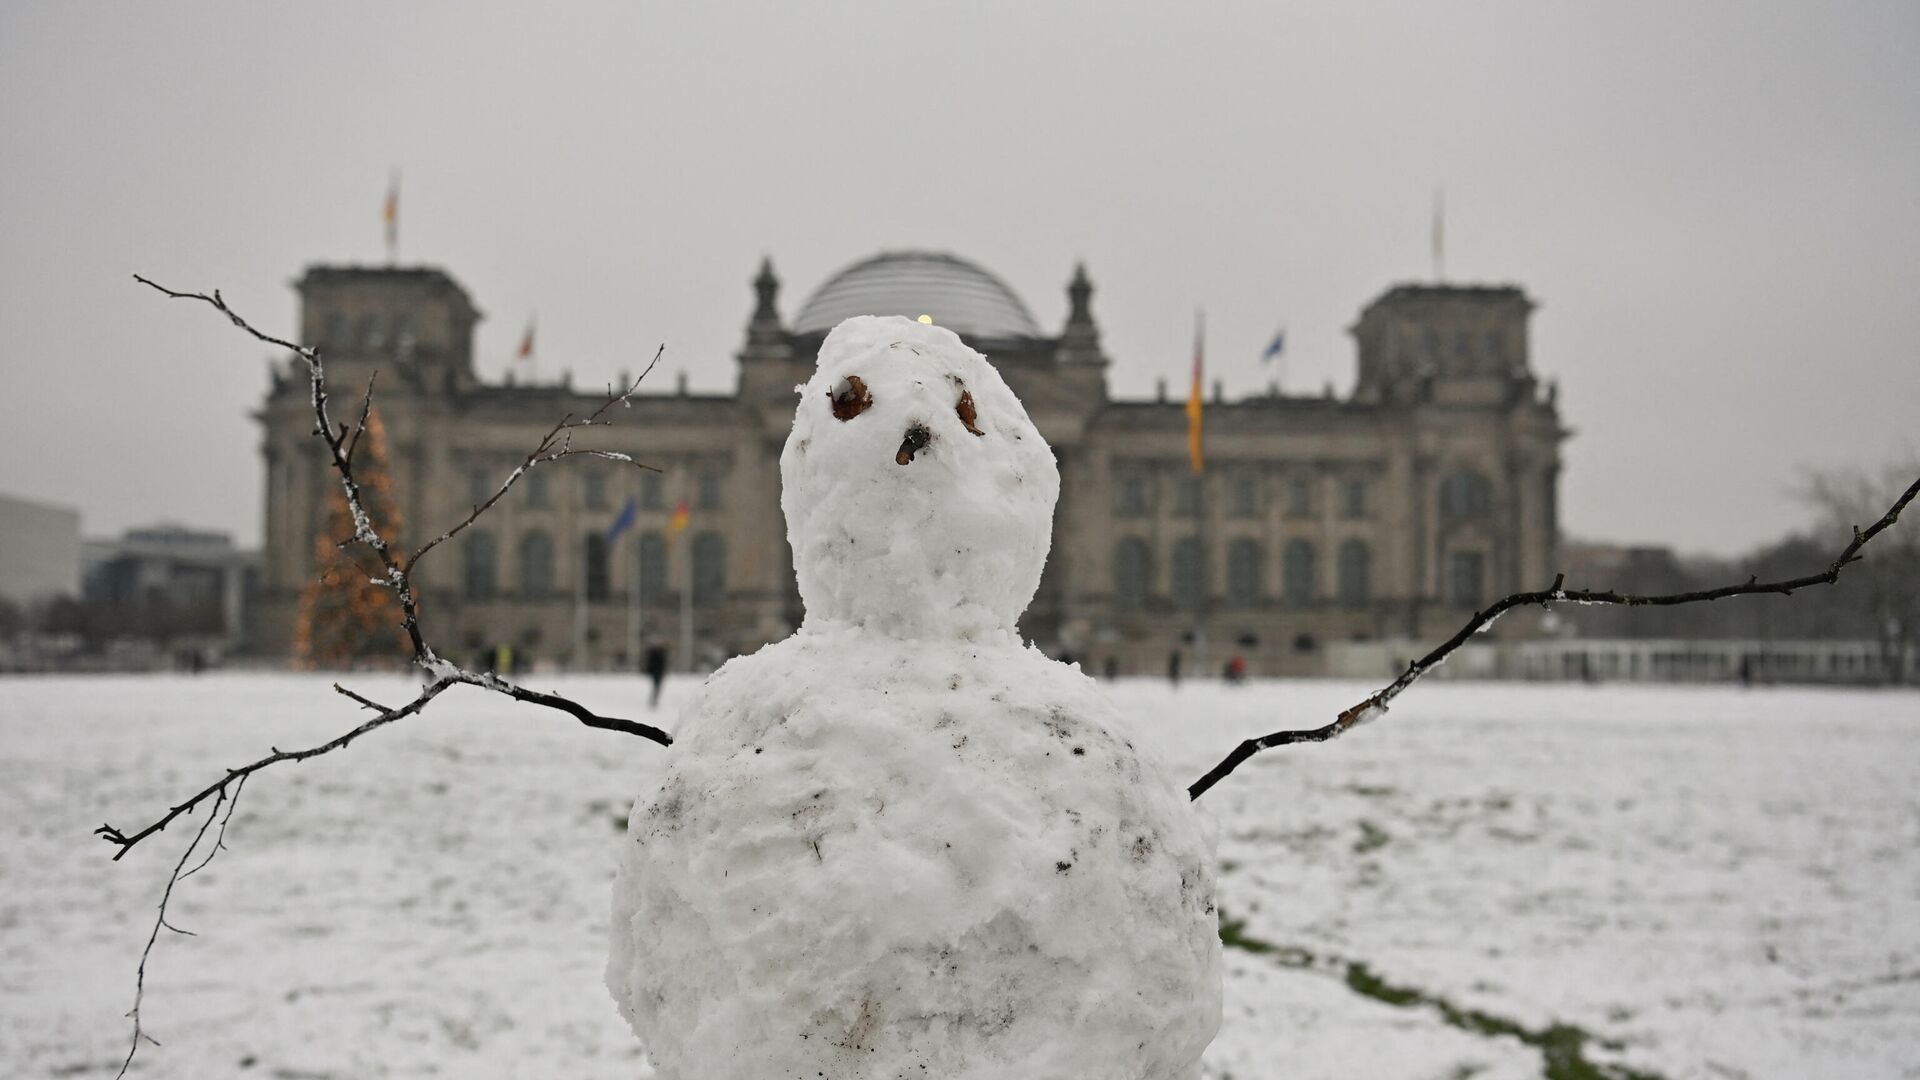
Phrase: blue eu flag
(622, 523)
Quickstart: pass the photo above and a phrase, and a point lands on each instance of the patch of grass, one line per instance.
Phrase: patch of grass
(1563, 1047)
(1372, 837)
(1233, 935)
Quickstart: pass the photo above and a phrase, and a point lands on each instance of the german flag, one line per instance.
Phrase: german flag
(1196, 407)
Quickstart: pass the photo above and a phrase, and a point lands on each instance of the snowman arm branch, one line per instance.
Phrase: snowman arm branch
(1377, 703)
(397, 569)
(554, 445)
(395, 574)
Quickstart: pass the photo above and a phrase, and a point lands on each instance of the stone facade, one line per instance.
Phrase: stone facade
(1383, 516)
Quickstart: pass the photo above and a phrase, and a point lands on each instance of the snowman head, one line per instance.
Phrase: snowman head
(919, 497)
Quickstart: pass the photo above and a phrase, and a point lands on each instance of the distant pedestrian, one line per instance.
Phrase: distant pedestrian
(1173, 668)
(656, 671)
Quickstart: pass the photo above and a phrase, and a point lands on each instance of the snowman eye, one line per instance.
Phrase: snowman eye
(849, 398)
(968, 415)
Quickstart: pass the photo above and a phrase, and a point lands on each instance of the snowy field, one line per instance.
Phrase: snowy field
(1492, 882)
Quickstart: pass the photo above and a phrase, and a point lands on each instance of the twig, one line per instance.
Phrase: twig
(554, 445)
(1376, 704)
(396, 571)
(366, 409)
(220, 838)
(160, 920)
(218, 789)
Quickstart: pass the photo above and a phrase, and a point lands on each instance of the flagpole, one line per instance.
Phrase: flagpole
(580, 610)
(1200, 659)
(633, 606)
(392, 216)
(686, 591)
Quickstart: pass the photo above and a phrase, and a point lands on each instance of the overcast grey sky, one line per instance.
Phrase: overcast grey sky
(1717, 206)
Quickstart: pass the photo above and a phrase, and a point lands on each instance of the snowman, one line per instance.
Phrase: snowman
(900, 843)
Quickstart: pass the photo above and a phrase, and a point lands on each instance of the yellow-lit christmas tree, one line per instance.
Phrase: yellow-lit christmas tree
(345, 619)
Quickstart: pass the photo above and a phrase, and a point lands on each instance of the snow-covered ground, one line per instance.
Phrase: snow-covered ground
(1660, 882)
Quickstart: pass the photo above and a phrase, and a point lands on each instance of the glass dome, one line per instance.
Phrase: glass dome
(958, 295)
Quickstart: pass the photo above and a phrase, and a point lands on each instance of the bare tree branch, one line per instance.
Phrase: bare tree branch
(217, 790)
(160, 920)
(1376, 704)
(556, 444)
(366, 408)
(395, 574)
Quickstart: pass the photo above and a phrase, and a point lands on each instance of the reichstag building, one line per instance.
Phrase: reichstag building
(1324, 527)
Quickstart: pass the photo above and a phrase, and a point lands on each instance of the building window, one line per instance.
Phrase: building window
(1130, 495)
(536, 565)
(1463, 352)
(1132, 572)
(709, 569)
(536, 485)
(1466, 571)
(403, 337)
(1353, 499)
(1243, 573)
(479, 486)
(1300, 497)
(653, 491)
(1246, 496)
(1186, 580)
(653, 565)
(709, 489)
(596, 570)
(478, 568)
(1465, 493)
(1356, 572)
(1186, 496)
(1297, 573)
(372, 334)
(594, 483)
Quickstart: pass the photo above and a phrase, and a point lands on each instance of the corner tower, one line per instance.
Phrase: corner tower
(1444, 344)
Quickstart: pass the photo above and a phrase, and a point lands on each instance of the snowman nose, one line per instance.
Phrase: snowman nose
(917, 438)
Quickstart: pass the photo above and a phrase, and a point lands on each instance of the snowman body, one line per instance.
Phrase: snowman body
(900, 843)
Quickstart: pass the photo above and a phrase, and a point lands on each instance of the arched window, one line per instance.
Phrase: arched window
(478, 569)
(1186, 582)
(1465, 493)
(1130, 494)
(1298, 573)
(709, 569)
(596, 552)
(1246, 496)
(1132, 572)
(1356, 573)
(1466, 577)
(536, 565)
(1243, 572)
(653, 566)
